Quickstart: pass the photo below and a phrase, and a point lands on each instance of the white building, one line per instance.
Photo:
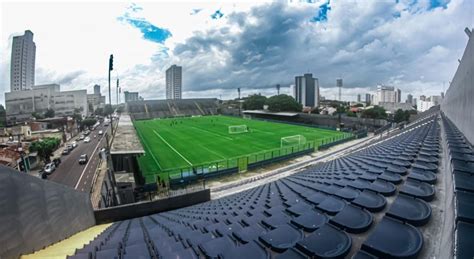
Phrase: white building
(306, 90)
(22, 66)
(387, 94)
(20, 105)
(428, 102)
(174, 82)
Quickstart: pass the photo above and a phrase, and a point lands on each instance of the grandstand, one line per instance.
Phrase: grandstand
(149, 109)
(409, 195)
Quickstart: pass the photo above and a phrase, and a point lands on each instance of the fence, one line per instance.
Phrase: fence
(186, 175)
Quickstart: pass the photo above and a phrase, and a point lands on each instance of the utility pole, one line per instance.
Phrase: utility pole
(117, 91)
(111, 67)
(240, 104)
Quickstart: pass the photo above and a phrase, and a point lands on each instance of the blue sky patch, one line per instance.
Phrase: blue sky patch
(217, 15)
(438, 3)
(322, 13)
(150, 32)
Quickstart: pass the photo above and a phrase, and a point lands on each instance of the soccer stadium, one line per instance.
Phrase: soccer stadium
(221, 143)
(181, 178)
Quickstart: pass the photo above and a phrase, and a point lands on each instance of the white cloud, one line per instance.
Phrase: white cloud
(254, 45)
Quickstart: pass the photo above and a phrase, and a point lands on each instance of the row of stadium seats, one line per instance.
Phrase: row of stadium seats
(314, 213)
(461, 156)
(171, 108)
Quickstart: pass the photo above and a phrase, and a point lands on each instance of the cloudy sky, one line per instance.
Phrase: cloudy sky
(221, 45)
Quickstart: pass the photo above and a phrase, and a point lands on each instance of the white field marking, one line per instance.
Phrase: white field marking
(166, 142)
(215, 153)
(151, 153)
(216, 134)
(83, 171)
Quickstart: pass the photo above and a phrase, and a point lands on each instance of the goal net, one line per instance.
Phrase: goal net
(293, 141)
(247, 117)
(237, 129)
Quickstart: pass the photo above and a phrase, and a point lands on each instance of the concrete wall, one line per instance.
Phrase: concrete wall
(147, 208)
(458, 103)
(35, 213)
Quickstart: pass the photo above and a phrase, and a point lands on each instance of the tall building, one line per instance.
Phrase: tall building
(368, 99)
(410, 99)
(174, 82)
(306, 90)
(97, 89)
(422, 98)
(386, 94)
(398, 95)
(22, 66)
(358, 98)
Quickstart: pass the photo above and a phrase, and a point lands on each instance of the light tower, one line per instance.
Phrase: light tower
(278, 89)
(339, 85)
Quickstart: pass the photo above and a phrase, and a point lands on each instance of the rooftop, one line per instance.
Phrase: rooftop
(126, 140)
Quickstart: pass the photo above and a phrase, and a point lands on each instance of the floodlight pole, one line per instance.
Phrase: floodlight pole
(111, 67)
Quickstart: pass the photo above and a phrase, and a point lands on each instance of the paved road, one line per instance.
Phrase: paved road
(71, 173)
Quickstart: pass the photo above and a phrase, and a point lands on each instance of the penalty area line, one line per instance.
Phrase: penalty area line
(168, 144)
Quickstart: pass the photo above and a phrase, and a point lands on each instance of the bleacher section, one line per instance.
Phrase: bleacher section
(171, 108)
(461, 156)
(318, 212)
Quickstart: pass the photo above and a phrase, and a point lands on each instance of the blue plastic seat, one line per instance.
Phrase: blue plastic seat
(326, 242)
(291, 254)
(299, 208)
(276, 220)
(348, 193)
(371, 201)
(391, 177)
(394, 239)
(216, 247)
(418, 189)
(310, 220)
(464, 234)
(139, 251)
(382, 187)
(247, 251)
(463, 181)
(248, 234)
(352, 219)
(332, 205)
(281, 238)
(409, 209)
(317, 198)
(465, 206)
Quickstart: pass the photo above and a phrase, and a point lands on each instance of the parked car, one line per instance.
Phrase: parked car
(57, 161)
(101, 132)
(49, 168)
(83, 159)
(102, 150)
(74, 144)
(82, 137)
(66, 151)
(87, 140)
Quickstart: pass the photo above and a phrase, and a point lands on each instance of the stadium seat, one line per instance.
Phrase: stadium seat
(326, 242)
(418, 189)
(411, 210)
(281, 238)
(465, 206)
(352, 219)
(394, 239)
(310, 220)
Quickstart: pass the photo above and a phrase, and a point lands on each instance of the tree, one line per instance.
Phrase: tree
(351, 114)
(45, 148)
(37, 116)
(99, 111)
(254, 102)
(88, 122)
(108, 110)
(375, 113)
(49, 113)
(283, 102)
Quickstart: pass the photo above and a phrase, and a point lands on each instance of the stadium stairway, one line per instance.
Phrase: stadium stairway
(69, 245)
(373, 203)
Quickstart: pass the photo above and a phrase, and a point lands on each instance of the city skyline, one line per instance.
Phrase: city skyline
(233, 51)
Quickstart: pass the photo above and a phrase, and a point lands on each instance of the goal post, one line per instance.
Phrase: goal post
(247, 117)
(237, 129)
(291, 141)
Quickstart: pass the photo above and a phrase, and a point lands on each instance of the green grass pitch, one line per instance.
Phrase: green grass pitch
(183, 142)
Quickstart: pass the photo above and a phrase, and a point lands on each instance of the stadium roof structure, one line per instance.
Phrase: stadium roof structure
(260, 112)
(126, 140)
